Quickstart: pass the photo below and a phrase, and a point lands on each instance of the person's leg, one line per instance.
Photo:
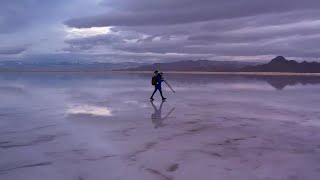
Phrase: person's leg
(161, 94)
(155, 90)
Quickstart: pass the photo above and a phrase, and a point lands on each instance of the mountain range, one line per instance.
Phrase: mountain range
(281, 64)
(198, 65)
(278, 64)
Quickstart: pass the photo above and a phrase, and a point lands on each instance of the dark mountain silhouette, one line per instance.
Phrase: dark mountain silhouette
(198, 65)
(278, 64)
(281, 64)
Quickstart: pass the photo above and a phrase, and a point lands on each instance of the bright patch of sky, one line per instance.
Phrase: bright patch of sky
(85, 32)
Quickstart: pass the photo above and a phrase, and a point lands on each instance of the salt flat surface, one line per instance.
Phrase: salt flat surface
(103, 127)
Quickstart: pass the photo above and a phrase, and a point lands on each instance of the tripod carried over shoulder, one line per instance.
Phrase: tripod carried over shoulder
(168, 85)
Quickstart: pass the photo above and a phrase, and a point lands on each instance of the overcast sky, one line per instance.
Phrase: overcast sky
(159, 30)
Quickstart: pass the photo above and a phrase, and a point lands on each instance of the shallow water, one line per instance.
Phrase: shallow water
(103, 126)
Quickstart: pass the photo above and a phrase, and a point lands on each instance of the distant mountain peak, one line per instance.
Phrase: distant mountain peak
(281, 64)
(279, 59)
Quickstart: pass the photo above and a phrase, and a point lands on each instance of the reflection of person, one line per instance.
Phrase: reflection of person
(157, 86)
(156, 117)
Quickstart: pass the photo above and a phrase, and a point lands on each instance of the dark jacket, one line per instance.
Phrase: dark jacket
(159, 80)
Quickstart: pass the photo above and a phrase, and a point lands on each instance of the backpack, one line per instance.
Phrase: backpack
(154, 80)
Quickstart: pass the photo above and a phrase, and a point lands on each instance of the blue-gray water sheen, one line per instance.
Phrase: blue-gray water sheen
(103, 126)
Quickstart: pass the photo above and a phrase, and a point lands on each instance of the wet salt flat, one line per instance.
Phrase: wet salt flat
(99, 126)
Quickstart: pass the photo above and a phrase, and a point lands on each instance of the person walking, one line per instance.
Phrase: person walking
(157, 79)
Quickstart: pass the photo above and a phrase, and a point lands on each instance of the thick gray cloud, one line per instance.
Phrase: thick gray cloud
(208, 27)
(12, 50)
(38, 23)
(20, 14)
(155, 30)
(253, 34)
(96, 40)
(168, 12)
(245, 41)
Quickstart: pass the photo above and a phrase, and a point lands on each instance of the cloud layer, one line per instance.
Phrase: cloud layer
(172, 29)
(12, 50)
(171, 12)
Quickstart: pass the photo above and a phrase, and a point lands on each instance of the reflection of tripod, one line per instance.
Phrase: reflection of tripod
(156, 117)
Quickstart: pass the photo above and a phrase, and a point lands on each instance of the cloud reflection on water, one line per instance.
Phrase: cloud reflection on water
(89, 110)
